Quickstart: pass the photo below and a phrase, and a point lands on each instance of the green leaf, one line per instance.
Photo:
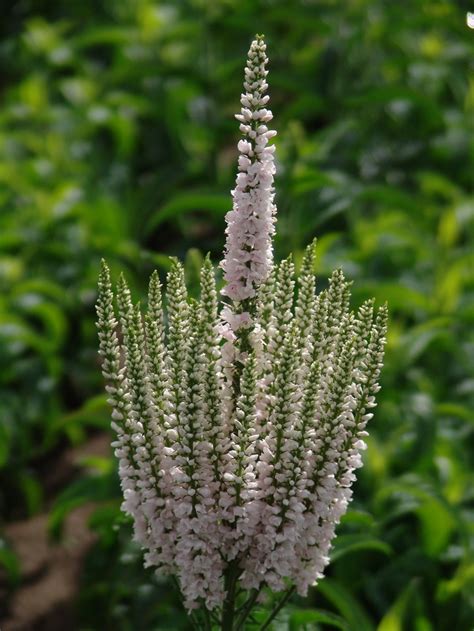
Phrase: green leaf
(42, 287)
(9, 561)
(423, 624)
(382, 95)
(435, 184)
(388, 195)
(4, 442)
(437, 526)
(394, 619)
(463, 579)
(419, 338)
(437, 522)
(102, 35)
(347, 605)
(398, 296)
(311, 180)
(455, 410)
(98, 464)
(216, 205)
(451, 285)
(94, 413)
(103, 521)
(52, 318)
(32, 492)
(92, 488)
(346, 544)
(300, 618)
(359, 518)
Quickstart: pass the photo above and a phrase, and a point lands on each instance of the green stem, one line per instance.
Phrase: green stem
(228, 611)
(278, 608)
(246, 609)
(192, 616)
(207, 618)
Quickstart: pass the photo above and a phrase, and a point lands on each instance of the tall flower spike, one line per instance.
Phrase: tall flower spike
(209, 381)
(250, 223)
(239, 426)
(179, 329)
(123, 420)
(156, 350)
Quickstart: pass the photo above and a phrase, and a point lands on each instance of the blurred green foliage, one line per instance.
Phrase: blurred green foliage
(117, 140)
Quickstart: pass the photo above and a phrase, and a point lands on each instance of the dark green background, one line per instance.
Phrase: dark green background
(117, 140)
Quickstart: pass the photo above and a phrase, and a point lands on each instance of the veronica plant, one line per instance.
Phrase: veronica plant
(239, 424)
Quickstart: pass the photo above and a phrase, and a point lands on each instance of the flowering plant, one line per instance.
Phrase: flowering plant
(239, 426)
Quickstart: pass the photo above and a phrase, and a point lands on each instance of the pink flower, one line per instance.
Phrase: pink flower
(250, 224)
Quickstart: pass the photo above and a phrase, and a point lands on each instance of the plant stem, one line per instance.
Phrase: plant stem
(246, 609)
(207, 618)
(228, 611)
(192, 616)
(278, 608)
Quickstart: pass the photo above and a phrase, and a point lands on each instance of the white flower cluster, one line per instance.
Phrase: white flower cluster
(238, 431)
(250, 223)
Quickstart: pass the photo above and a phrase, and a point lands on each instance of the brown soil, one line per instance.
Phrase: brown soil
(50, 571)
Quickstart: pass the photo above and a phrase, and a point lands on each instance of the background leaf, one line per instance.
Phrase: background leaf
(118, 141)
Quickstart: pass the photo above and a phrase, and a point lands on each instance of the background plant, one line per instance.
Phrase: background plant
(117, 141)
